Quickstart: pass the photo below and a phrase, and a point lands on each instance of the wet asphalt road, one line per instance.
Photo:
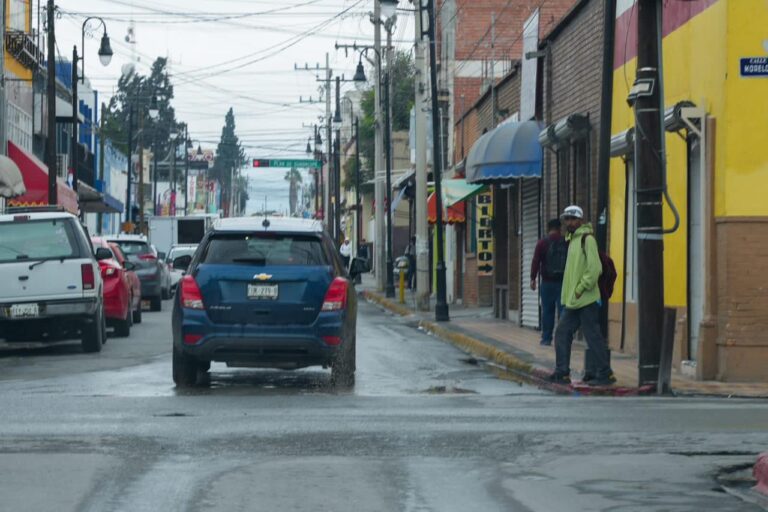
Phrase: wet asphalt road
(424, 429)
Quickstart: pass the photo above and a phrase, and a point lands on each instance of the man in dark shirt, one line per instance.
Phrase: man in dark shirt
(549, 263)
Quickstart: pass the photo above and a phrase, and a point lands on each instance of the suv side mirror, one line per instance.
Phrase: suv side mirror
(182, 262)
(161, 256)
(359, 266)
(103, 253)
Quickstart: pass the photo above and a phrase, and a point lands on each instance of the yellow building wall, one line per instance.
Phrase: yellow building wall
(698, 66)
(11, 64)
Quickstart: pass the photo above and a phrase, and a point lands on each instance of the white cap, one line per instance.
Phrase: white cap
(573, 211)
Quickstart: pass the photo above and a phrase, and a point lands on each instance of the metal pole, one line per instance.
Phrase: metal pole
(172, 201)
(441, 304)
(101, 162)
(358, 206)
(128, 207)
(50, 146)
(422, 226)
(75, 108)
(154, 176)
(317, 178)
(186, 169)
(327, 221)
(390, 290)
(648, 116)
(380, 231)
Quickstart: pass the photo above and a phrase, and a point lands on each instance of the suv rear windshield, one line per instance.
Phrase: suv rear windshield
(131, 248)
(265, 249)
(38, 239)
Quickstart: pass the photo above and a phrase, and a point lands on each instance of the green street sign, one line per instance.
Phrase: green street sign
(303, 163)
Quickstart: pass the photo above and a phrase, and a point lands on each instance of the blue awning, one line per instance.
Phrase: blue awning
(509, 151)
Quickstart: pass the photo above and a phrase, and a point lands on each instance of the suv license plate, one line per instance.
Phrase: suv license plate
(262, 291)
(25, 311)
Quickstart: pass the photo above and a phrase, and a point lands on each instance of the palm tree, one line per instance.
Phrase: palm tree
(293, 177)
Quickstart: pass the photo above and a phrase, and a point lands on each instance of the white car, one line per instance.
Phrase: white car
(175, 252)
(51, 283)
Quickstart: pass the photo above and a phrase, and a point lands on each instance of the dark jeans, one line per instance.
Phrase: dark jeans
(345, 260)
(588, 318)
(550, 302)
(411, 271)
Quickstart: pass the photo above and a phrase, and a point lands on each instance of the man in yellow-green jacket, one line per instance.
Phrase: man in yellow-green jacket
(581, 301)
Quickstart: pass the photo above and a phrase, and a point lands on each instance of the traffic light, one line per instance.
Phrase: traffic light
(257, 162)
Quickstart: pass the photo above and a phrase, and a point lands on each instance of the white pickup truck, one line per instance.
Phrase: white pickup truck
(51, 284)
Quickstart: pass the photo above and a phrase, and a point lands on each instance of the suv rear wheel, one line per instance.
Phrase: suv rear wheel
(137, 314)
(94, 333)
(184, 369)
(343, 367)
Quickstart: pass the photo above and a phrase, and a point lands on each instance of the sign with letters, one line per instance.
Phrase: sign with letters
(754, 67)
(484, 233)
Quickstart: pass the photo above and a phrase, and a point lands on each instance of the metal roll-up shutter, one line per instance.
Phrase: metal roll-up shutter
(529, 305)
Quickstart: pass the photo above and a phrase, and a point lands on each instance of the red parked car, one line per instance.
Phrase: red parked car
(133, 278)
(120, 300)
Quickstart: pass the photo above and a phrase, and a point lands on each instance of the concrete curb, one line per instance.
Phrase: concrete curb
(521, 370)
(760, 472)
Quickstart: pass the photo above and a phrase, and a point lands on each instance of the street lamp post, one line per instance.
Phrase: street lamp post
(105, 56)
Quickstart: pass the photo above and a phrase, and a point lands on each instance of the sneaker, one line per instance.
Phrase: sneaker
(545, 343)
(608, 380)
(587, 377)
(559, 378)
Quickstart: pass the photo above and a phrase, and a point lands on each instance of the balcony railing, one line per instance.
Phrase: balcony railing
(23, 48)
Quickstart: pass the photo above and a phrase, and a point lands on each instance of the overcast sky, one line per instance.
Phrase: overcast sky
(238, 53)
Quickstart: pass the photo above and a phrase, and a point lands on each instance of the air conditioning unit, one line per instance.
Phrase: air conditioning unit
(62, 166)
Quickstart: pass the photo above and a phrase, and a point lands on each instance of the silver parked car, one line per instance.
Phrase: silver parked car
(175, 252)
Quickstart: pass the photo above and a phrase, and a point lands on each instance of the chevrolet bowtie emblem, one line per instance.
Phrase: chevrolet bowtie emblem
(262, 277)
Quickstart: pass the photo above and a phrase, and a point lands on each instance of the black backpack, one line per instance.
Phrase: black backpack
(555, 258)
(608, 275)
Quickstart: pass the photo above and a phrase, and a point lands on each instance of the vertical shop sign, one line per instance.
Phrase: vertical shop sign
(485, 234)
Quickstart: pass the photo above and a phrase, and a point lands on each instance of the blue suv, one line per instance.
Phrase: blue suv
(266, 293)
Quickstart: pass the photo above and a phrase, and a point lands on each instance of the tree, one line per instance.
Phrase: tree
(230, 155)
(136, 91)
(293, 177)
(403, 97)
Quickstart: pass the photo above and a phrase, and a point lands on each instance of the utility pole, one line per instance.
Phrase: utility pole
(154, 175)
(172, 202)
(328, 140)
(337, 165)
(441, 303)
(422, 227)
(140, 195)
(379, 232)
(75, 109)
(318, 173)
(128, 207)
(650, 184)
(3, 103)
(50, 144)
(390, 289)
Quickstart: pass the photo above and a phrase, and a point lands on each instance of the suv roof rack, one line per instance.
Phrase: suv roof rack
(51, 208)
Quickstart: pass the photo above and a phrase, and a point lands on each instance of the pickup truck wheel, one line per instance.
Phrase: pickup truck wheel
(94, 333)
(156, 303)
(184, 369)
(343, 367)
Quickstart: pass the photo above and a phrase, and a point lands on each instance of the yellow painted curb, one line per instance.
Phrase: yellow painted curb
(387, 304)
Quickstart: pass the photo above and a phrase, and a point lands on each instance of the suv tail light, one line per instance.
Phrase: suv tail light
(336, 296)
(88, 278)
(148, 257)
(191, 297)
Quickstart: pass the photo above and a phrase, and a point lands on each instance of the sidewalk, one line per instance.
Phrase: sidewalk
(517, 349)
